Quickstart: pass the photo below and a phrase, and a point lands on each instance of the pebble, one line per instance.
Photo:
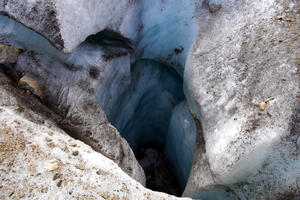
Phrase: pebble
(75, 153)
(48, 139)
(262, 106)
(44, 190)
(59, 183)
(56, 176)
(51, 165)
(50, 133)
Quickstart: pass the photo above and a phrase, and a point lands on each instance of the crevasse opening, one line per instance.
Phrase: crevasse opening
(146, 102)
(152, 115)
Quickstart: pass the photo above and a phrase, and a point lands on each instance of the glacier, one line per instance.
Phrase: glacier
(178, 74)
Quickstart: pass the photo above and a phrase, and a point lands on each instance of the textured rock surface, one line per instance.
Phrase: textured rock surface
(50, 164)
(8, 55)
(230, 71)
(27, 83)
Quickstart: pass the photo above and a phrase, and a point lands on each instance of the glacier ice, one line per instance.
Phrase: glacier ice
(66, 24)
(234, 64)
(160, 34)
(180, 142)
(142, 112)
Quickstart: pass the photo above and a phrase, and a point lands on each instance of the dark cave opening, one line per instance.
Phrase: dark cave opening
(152, 115)
(159, 174)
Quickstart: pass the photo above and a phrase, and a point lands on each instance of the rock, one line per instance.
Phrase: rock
(8, 55)
(262, 106)
(51, 165)
(75, 153)
(59, 183)
(26, 82)
(56, 176)
(44, 190)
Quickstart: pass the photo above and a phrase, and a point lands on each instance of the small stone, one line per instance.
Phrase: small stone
(85, 189)
(73, 145)
(17, 122)
(56, 176)
(50, 133)
(59, 183)
(75, 153)
(79, 167)
(48, 139)
(147, 195)
(101, 172)
(63, 146)
(33, 86)
(51, 145)
(8, 54)
(11, 193)
(44, 190)
(51, 165)
(262, 106)
(19, 109)
(279, 17)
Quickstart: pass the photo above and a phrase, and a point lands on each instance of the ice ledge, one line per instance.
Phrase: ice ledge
(66, 24)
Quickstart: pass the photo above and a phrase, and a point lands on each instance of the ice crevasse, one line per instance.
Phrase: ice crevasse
(175, 74)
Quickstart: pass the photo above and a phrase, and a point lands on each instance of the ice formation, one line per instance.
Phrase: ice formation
(180, 74)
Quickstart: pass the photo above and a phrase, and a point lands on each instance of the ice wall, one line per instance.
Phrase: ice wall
(162, 30)
(143, 110)
(180, 144)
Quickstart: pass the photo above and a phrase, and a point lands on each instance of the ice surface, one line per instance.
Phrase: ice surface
(162, 30)
(180, 144)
